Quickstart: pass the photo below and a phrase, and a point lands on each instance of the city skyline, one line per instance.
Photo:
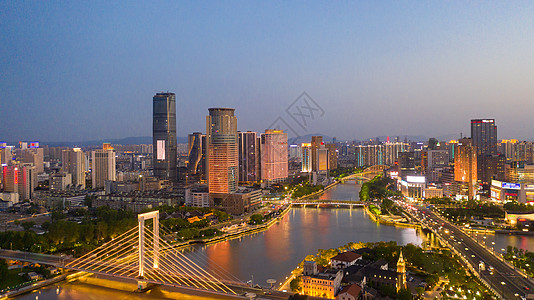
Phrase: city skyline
(376, 69)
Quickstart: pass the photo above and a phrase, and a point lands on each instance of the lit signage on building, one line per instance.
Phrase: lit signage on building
(33, 144)
(511, 186)
(415, 179)
(160, 149)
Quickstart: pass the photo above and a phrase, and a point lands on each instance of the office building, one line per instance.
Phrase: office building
(306, 157)
(34, 156)
(484, 139)
(465, 165)
(274, 157)
(21, 179)
(332, 156)
(73, 162)
(164, 136)
(315, 143)
(249, 156)
(222, 159)
(406, 164)
(196, 157)
(103, 167)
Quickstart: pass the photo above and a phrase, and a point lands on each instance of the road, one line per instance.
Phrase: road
(506, 281)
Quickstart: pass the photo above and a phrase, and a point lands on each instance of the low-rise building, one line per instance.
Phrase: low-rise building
(350, 292)
(324, 284)
(344, 260)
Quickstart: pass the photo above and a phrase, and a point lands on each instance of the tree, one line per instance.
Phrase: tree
(28, 225)
(295, 284)
(3, 269)
(404, 294)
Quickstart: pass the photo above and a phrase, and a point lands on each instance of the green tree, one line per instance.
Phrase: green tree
(28, 225)
(295, 284)
(3, 269)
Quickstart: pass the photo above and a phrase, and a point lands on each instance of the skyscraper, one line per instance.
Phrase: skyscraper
(222, 159)
(21, 179)
(164, 136)
(274, 164)
(484, 137)
(465, 165)
(332, 155)
(197, 155)
(316, 141)
(306, 157)
(103, 167)
(249, 156)
(73, 162)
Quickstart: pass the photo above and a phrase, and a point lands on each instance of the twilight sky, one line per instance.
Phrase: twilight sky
(81, 70)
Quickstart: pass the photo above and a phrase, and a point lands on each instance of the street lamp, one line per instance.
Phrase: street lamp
(503, 284)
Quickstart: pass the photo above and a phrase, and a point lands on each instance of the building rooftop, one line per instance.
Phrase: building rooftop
(348, 256)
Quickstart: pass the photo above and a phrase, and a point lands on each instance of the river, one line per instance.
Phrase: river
(275, 252)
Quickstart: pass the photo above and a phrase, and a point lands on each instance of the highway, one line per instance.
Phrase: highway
(502, 278)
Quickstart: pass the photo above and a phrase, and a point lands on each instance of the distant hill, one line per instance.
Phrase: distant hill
(307, 138)
(124, 141)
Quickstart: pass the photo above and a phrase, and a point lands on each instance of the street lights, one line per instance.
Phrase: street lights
(503, 284)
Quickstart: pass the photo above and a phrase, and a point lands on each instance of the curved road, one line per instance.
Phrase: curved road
(506, 281)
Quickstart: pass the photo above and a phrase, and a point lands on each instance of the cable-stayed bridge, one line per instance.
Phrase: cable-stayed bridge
(145, 254)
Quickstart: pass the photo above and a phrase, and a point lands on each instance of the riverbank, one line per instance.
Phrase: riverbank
(234, 235)
(389, 221)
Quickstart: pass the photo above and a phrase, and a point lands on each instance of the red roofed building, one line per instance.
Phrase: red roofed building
(350, 292)
(344, 260)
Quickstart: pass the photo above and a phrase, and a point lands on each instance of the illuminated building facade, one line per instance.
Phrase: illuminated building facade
(484, 139)
(401, 273)
(222, 159)
(73, 162)
(164, 136)
(249, 156)
(383, 154)
(274, 157)
(306, 157)
(465, 165)
(315, 143)
(103, 167)
(21, 179)
(332, 156)
(324, 284)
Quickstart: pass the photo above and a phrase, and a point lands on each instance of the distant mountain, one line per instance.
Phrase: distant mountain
(307, 138)
(124, 141)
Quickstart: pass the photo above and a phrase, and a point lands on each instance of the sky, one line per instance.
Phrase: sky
(85, 70)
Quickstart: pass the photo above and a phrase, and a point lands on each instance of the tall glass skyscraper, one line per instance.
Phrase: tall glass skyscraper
(222, 158)
(484, 137)
(249, 156)
(164, 136)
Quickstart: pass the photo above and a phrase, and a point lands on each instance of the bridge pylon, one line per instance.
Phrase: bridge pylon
(154, 215)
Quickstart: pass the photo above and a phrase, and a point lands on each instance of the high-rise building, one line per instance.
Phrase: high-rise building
(222, 159)
(196, 158)
(306, 157)
(35, 156)
(103, 167)
(73, 162)
(406, 164)
(21, 179)
(164, 136)
(484, 139)
(249, 156)
(315, 143)
(465, 165)
(274, 158)
(332, 155)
